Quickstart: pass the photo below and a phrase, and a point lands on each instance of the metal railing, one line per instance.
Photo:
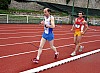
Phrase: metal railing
(6, 18)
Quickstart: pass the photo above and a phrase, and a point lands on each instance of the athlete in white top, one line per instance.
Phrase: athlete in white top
(47, 35)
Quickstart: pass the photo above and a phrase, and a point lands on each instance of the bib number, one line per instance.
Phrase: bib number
(46, 30)
(77, 26)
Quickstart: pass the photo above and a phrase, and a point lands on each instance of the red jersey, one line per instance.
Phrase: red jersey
(79, 24)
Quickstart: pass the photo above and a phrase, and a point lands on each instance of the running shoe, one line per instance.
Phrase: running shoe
(56, 55)
(81, 48)
(73, 53)
(35, 60)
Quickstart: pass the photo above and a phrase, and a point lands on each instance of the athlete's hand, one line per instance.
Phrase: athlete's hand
(84, 22)
(42, 22)
(71, 30)
(82, 32)
(47, 26)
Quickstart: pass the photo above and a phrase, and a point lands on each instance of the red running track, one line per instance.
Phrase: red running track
(16, 53)
(89, 64)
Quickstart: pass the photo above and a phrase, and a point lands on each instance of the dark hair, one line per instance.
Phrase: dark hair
(48, 10)
(81, 12)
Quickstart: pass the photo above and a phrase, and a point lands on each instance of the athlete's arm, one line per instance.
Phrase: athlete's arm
(73, 25)
(42, 22)
(72, 28)
(86, 26)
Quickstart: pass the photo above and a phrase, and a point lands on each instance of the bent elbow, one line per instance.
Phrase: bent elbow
(53, 26)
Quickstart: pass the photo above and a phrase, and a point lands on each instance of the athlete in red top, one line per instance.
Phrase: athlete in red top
(79, 24)
(79, 29)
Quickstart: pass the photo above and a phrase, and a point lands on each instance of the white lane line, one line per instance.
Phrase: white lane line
(22, 32)
(58, 63)
(19, 37)
(26, 29)
(32, 36)
(38, 32)
(28, 36)
(45, 49)
(23, 29)
(35, 27)
(31, 32)
(1, 28)
(15, 32)
(39, 41)
(93, 29)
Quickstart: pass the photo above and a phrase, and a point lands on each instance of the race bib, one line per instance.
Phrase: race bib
(46, 30)
(77, 26)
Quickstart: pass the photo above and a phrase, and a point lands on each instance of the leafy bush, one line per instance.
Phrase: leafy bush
(4, 4)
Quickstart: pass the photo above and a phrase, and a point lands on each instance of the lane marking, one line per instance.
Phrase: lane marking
(93, 29)
(34, 27)
(45, 49)
(27, 29)
(30, 36)
(58, 63)
(31, 32)
(3, 45)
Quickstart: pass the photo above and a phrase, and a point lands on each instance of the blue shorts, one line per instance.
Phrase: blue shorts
(48, 37)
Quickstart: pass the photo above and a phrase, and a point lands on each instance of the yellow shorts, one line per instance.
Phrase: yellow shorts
(77, 33)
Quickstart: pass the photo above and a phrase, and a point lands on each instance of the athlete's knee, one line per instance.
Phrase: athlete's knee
(40, 47)
(75, 43)
(78, 44)
(78, 41)
(53, 47)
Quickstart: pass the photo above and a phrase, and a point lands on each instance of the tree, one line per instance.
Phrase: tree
(4, 4)
(67, 1)
(21, 0)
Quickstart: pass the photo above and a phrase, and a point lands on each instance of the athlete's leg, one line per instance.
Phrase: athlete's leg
(54, 48)
(40, 47)
(78, 43)
(77, 40)
(52, 45)
(80, 46)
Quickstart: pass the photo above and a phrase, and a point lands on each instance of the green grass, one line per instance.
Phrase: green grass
(11, 11)
(93, 16)
(4, 12)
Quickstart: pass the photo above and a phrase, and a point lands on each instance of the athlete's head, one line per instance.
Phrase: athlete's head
(80, 14)
(47, 12)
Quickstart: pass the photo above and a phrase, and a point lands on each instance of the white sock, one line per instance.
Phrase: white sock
(81, 46)
(74, 52)
(56, 53)
(37, 58)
